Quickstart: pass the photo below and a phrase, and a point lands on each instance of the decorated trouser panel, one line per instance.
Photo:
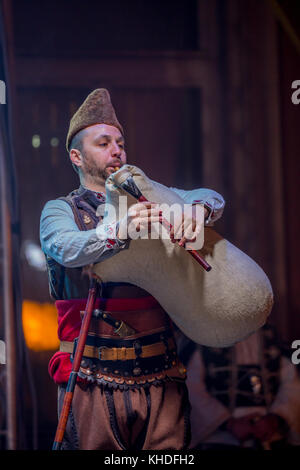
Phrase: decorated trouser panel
(152, 418)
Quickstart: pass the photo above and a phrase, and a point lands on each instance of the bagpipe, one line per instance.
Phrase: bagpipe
(217, 295)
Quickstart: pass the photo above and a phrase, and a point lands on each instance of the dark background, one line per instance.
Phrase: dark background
(203, 91)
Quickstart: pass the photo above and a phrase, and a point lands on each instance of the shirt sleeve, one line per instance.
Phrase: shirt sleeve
(62, 240)
(212, 200)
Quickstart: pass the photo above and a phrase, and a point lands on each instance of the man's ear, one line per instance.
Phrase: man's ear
(76, 157)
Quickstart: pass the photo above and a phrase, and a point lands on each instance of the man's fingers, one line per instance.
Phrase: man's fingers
(139, 206)
(182, 242)
(185, 228)
(143, 210)
(148, 213)
(186, 232)
(142, 223)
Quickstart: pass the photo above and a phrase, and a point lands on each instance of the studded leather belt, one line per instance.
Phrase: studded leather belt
(105, 353)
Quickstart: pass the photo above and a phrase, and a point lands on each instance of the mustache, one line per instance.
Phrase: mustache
(93, 170)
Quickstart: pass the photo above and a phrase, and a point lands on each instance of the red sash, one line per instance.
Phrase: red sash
(69, 322)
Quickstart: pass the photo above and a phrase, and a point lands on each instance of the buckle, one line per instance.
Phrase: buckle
(100, 352)
(115, 354)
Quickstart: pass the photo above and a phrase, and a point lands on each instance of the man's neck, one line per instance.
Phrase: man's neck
(92, 186)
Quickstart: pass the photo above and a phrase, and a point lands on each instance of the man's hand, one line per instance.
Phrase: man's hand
(142, 215)
(186, 229)
(139, 218)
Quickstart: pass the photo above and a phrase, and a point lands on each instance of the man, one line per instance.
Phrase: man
(244, 396)
(136, 403)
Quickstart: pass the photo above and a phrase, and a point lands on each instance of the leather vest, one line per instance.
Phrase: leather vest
(70, 283)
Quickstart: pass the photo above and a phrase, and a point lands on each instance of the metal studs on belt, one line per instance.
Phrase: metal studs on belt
(137, 371)
(97, 313)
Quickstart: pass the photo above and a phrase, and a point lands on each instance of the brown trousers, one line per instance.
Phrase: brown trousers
(154, 418)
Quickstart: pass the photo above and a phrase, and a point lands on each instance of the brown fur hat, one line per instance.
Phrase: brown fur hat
(96, 109)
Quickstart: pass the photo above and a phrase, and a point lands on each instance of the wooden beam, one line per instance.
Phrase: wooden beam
(121, 72)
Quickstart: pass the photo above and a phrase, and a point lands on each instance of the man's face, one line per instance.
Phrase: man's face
(102, 151)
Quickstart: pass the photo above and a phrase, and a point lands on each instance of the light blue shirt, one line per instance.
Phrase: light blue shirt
(62, 240)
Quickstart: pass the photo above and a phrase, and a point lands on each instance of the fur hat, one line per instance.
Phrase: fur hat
(96, 109)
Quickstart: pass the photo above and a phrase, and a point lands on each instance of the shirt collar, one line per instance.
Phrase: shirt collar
(99, 195)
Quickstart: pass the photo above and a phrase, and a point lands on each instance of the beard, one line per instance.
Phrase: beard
(92, 170)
